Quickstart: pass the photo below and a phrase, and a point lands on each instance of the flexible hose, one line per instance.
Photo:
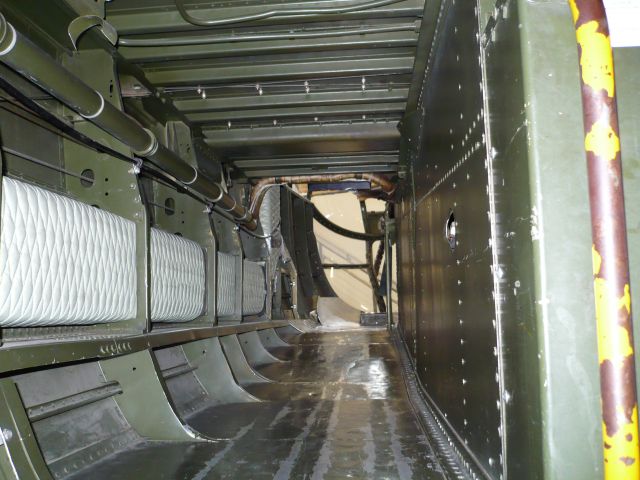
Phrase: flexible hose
(322, 220)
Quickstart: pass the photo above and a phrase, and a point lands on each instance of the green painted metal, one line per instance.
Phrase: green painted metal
(161, 53)
(295, 63)
(173, 75)
(317, 161)
(144, 401)
(524, 404)
(70, 349)
(321, 112)
(627, 62)
(546, 364)
(31, 62)
(130, 20)
(563, 272)
(433, 12)
(273, 100)
(274, 171)
(238, 137)
(19, 439)
(114, 187)
(214, 372)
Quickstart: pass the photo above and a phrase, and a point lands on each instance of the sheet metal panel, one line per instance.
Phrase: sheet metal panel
(456, 316)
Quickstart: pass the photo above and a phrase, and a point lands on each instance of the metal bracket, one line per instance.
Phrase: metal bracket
(84, 23)
(137, 166)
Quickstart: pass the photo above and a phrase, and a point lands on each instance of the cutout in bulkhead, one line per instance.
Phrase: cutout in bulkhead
(450, 230)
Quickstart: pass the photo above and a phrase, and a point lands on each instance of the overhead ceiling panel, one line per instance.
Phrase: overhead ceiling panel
(285, 92)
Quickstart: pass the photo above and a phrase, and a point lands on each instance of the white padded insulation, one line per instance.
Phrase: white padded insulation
(226, 298)
(177, 278)
(270, 210)
(253, 292)
(270, 221)
(63, 262)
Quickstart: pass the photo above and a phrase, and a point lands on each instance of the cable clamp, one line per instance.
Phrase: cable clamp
(137, 166)
(14, 39)
(98, 112)
(152, 148)
(195, 176)
(216, 200)
(230, 209)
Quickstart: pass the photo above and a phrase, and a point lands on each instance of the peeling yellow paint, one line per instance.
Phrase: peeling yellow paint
(625, 300)
(596, 59)
(574, 10)
(613, 340)
(621, 450)
(602, 141)
(597, 260)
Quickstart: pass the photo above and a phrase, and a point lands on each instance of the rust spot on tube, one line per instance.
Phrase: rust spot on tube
(610, 251)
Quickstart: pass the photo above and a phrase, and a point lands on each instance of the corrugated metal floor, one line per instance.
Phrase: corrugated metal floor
(338, 409)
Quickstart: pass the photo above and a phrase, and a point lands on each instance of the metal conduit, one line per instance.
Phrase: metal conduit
(212, 39)
(282, 12)
(609, 232)
(20, 54)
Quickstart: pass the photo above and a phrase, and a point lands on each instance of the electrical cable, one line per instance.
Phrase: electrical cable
(294, 12)
(213, 39)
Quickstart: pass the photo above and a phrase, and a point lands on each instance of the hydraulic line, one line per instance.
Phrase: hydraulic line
(378, 261)
(610, 251)
(284, 12)
(58, 126)
(373, 277)
(21, 55)
(325, 222)
(212, 39)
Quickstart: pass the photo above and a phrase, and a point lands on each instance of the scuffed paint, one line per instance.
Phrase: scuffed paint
(596, 58)
(613, 343)
(621, 449)
(575, 13)
(602, 141)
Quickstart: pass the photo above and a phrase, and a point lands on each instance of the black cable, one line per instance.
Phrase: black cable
(367, 237)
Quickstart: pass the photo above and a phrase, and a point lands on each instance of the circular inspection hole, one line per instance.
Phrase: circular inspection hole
(450, 230)
(169, 206)
(87, 178)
